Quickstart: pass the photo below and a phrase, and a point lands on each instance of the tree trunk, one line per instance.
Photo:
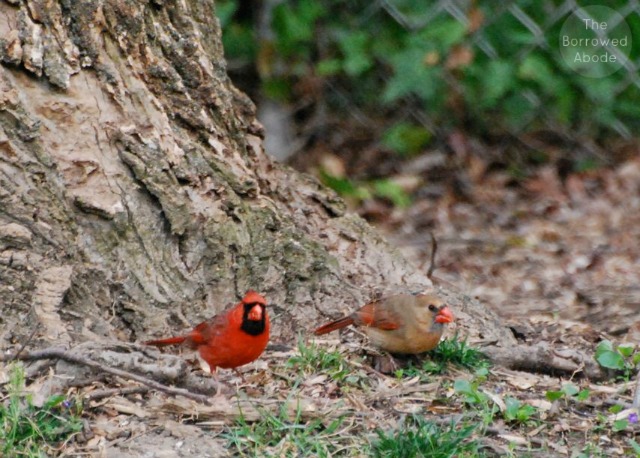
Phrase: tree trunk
(135, 195)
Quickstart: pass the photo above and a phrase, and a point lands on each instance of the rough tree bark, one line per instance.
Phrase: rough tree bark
(135, 194)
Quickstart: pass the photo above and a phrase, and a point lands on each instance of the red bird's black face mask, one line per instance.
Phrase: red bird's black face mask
(253, 318)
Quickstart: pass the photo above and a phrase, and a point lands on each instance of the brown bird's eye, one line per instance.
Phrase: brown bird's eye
(432, 307)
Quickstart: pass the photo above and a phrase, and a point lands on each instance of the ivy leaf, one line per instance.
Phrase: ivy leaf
(611, 360)
(570, 389)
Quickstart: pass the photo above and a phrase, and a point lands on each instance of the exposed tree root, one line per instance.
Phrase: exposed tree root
(74, 358)
(544, 358)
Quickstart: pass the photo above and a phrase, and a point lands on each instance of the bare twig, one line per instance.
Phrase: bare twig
(100, 394)
(26, 342)
(59, 353)
(434, 249)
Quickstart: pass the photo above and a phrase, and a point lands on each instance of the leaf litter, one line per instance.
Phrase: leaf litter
(557, 259)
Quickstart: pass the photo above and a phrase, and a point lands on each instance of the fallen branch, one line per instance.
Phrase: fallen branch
(544, 358)
(59, 353)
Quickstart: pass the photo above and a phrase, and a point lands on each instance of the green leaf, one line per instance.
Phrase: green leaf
(462, 386)
(482, 372)
(411, 76)
(225, 9)
(626, 349)
(604, 345)
(583, 395)
(554, 395)
(569, 389)
(328, 67)
(444, 33)
(525, 412)
(53, 401)
(392, 191)
(620, 425)
(536, 68)
(406, 139)
(277, 89)
(357, 57)
(611, 360)
(512, 407)
(294, 25)
(497, 79)
(617, 408)
(344, 186)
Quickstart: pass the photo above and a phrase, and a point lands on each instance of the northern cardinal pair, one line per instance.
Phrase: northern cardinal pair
(404, 323)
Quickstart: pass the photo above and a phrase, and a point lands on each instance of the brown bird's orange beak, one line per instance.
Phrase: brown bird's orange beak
(255, 314)
(444, 315)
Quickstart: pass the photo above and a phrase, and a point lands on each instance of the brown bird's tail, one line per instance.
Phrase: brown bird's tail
(338, 324)
(169, 341)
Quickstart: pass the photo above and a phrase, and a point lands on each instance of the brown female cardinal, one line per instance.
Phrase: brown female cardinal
(231, 339)
(404, 323)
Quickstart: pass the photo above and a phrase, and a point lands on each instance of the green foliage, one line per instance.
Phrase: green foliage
(360, 191)
(284, 434)
(390, 190)
(295, 26)
(624, 357)
(419, 437)
(470, 392)
(27, 430)
(406, 139)
(518, 412)
(568, 391)
(496, 74)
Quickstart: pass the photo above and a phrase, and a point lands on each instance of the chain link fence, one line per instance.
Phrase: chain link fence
(406, 73)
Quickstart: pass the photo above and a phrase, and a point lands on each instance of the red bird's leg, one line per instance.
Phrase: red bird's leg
(239, 374)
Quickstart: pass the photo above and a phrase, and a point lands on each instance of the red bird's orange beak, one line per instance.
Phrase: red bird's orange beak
(444, 315)
(255, 314)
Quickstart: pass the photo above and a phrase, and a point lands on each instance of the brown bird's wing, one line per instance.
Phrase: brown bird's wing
(376, 315)
(373, 314)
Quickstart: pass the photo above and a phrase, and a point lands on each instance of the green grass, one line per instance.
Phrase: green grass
(419, 437)
(316, 359)
(455, 351)
(449, 351)
(280, 435)
(33, 431)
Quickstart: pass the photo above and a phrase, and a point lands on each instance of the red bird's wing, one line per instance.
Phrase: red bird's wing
(374, 314)
(207, 331)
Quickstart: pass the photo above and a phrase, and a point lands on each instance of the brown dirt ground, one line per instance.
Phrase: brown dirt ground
(557, 258)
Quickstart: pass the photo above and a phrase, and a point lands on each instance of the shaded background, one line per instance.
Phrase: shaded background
(461, 118)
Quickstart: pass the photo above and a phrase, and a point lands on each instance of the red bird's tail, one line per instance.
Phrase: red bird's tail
(338, 324)
(169, 341)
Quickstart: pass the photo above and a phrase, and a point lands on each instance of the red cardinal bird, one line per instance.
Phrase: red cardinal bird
(232, 339)
(404, 323)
